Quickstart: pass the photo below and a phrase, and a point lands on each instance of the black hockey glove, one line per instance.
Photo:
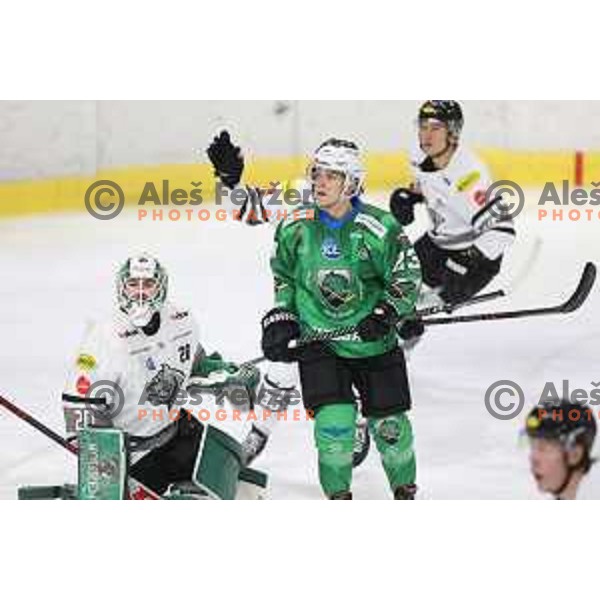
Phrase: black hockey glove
(378, 324)
(411, 329)
(466, 273)
(402, 205)
(279, 328)
(227, 160)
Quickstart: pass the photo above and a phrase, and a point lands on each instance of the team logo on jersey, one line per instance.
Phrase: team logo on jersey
(335, 286)
(86, 362)
(150, 364)
(330, 249)
(164, 387)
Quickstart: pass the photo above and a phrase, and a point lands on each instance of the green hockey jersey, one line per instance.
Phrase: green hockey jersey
(333, 272)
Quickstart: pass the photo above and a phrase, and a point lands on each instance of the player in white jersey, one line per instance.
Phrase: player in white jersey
(132, 372)
(462, 250)
(561, 439)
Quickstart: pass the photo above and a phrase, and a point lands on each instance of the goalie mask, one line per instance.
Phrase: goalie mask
(141, 288)
(339, 156)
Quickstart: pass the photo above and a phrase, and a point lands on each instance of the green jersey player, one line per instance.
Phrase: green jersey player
(347, 263)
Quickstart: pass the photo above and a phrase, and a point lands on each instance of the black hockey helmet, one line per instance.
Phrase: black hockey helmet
(564, 421)
(444, 111)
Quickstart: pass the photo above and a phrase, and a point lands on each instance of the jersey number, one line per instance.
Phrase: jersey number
(184, 353)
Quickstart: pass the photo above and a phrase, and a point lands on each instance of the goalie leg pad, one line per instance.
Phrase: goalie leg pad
(102, 464)
(47, 492)
(393, 437)
(335, 429)
(218, 464)
(252, 485)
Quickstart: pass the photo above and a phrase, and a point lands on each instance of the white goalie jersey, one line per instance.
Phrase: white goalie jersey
(460, 214)
(128, 379)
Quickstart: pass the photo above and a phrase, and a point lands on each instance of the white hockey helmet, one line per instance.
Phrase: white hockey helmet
(141, 288)
(343, 157)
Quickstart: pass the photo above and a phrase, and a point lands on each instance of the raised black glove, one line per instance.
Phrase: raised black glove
(402, 205)
(378, 324)
(227, 159)
(279, 328)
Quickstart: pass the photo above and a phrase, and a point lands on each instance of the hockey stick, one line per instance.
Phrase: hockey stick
(579, 296)
(332, 334)
(137, 490)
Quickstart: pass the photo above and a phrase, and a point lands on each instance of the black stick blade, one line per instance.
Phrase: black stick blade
(580, 295)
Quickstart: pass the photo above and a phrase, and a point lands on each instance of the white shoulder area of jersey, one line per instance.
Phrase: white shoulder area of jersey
(180, 316)
(100, 335)
(467, 170)
(122, 328)
(371, 223)
(175, 312)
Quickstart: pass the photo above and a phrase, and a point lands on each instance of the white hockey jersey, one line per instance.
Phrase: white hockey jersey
(456, 202)
(150, 370)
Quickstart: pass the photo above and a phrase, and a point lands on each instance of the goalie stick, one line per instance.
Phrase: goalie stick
(137, 490)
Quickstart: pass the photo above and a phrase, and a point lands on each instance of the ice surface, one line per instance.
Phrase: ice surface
(57, 273)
